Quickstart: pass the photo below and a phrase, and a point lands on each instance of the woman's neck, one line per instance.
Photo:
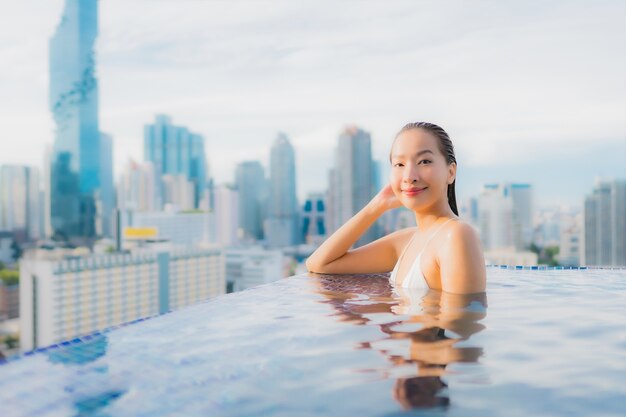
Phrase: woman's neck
(425, 220)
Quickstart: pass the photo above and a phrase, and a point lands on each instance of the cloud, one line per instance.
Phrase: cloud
(509, 82)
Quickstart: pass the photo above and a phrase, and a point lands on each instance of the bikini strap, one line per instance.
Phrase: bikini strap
(406, 246)
(434, 234)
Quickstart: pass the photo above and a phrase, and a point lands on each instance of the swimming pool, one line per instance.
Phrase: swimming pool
(550, 343)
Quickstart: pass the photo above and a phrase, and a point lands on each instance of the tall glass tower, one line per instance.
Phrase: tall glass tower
(76, 163)
(252, 188)
(175, 150)
(281, 224)
(351, 181)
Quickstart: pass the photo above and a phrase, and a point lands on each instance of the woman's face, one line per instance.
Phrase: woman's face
(419, 172)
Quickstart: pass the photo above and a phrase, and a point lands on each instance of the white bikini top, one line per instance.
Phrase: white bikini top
(415, 277)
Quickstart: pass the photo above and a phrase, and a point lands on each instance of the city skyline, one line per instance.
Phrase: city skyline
(532, 94)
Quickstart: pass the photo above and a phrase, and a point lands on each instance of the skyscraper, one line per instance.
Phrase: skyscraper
(137, 189)
(604, 232)
(107, 190)
(226, 209)
(76, 178)
(505, 216)
(351, 181)
(20, 201)
(252, 191)
(313, 227)
(281, 224)
(175, 150)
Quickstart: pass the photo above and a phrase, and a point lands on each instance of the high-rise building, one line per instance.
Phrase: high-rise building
(76, 178)
(46, 203)
(138, 188)
(282, 219)
(20, 201)
(313, 217)
(252, 191)
(63, 298)
(178, 192)
(604, 227)
(174, 150)
(351, 181)
(106, 198)
(505, 216)
(226, 209)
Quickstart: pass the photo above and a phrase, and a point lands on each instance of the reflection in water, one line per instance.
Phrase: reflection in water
(430, 323)
(88, 350)
(89, 385)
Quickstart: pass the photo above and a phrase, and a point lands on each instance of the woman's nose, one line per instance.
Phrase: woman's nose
(410, 174)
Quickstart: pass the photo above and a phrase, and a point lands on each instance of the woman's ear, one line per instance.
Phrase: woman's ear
(451, 172)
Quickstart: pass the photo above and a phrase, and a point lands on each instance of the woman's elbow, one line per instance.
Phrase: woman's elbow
(311, 266)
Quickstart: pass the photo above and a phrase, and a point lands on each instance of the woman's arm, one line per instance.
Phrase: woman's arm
(461, 261)
(334, 256)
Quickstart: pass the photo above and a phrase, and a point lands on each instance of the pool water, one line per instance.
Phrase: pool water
(540, 343)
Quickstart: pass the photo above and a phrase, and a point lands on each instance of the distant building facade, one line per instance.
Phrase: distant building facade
(138, 188)
(506, 216)
(20, 205)
(282, 218)
(64, 298)
(227, 215)
(605, 224)
(252, 193)
(247, 267)
(179, 228)
(313, 219)
(176, 151)
(351, 181)
(80, 159)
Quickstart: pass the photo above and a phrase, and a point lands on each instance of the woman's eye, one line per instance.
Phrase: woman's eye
(398, 164)
(424, 161)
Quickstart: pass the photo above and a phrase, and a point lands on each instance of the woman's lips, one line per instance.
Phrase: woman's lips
(411, 192)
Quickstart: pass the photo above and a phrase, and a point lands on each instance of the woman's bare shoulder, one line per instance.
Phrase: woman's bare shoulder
(462, 262)
(462, 231)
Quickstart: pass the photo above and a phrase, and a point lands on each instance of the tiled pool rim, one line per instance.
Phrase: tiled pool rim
(90, 336)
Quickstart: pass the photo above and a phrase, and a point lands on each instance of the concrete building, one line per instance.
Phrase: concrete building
(505, 216)
(176, 151)
(252, 191)
(226, 209)
(313, 230)
(351, 181)
(178, 228)
(6, 247)
(9, 301)
(178, 192)
(282, 218)
(247, 267)
(20, 202)
(139, 188)
(509, 256)
(62, 298)
(605, 224)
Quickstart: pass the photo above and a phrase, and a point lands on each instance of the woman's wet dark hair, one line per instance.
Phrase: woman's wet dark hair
(445, 147)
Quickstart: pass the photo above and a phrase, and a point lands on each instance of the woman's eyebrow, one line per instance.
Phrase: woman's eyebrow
(420, 153)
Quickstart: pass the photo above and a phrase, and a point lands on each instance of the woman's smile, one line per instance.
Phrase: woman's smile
(413, 191)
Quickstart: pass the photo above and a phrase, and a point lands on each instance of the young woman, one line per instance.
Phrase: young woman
(442, 252)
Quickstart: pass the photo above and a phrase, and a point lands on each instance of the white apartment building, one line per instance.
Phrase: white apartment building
(64, 297)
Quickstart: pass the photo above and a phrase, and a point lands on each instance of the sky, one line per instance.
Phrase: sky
(529, 91)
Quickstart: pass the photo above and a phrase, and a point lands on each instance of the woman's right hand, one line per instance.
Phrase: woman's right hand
(386, 199)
